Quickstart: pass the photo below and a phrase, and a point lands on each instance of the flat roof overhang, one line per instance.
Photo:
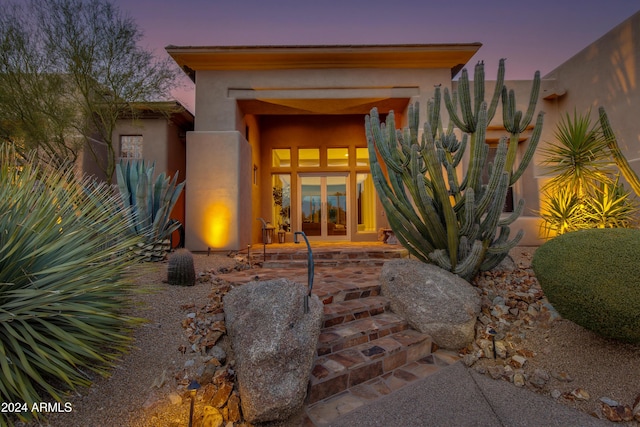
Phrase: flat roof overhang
(195, 58)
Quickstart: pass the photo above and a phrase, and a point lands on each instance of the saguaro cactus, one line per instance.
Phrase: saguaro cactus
(456, 224)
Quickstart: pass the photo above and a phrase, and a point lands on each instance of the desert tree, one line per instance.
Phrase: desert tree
(94, 51)
(33, 115)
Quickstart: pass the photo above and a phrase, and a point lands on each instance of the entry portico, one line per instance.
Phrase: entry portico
(279, 134)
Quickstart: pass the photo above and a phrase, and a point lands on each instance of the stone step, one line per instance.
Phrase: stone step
(285, 256)
(348, 310)
(331, 262)
(336, 372)
(360, 331)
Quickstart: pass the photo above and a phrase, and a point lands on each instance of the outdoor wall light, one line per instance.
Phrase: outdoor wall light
(193, 389)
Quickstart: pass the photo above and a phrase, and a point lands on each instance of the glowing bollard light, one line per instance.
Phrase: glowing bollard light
(193, 389)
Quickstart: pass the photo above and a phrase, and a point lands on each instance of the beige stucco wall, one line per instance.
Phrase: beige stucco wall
(605, 73)
(218, 191)
(218, 111)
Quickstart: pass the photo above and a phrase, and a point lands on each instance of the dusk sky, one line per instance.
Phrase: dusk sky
(532, 35)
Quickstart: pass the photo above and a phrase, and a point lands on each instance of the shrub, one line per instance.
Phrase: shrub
(592, 277)
(62, 281)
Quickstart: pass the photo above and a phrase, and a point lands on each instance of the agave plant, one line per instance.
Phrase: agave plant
(150, 204)
(63, 281)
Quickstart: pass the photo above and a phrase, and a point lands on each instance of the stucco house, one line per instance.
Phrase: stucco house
(155, 133)
(279, 130)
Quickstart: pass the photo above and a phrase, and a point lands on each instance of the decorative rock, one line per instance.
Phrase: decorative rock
(539, 378)
(616, 413)
(496, 371)
(580, 394)
(175, 398)
(518, 379)
(636, 409)
(432, 300)
(608, 401)
(562, 376)
(218, 353)
(221, 396)
(233, 406)
(518, 361)
(212, 417)
(274, 343)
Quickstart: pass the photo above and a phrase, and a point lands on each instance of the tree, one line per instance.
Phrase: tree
(33, 115)
(94, 50)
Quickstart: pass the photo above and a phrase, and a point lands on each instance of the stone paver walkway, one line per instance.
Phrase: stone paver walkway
(343, 290)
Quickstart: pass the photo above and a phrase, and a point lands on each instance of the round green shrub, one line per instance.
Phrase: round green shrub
(592, 277)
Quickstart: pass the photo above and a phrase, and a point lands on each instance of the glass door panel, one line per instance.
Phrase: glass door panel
(336, 189)
(311, 205)
(323, 206)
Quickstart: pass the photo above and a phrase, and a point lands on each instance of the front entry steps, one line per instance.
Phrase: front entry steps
(364, 350)
(325, 254)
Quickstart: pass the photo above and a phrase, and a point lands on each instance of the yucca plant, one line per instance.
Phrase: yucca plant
(610, 206)
(63, 281)
(149, 204)
(562, 211)
(578, 157)
(585, 192)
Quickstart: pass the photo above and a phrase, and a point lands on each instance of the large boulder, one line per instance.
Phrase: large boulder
(274, 343)
(432, 300)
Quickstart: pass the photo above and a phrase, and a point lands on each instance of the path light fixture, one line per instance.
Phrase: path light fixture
(492, 332)
(193, 389)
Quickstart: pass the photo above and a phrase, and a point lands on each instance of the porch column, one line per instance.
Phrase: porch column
(218, 191)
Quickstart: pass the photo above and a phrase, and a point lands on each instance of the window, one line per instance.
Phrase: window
(281, 200)
(365, 202)
(337, 157)
(131, 146)
(362, 157)
(308, 157)
(281, 157)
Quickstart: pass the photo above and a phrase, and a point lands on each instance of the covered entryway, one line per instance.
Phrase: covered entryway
(269, 116)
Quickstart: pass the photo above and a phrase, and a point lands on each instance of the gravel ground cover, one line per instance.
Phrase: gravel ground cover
(148, 386)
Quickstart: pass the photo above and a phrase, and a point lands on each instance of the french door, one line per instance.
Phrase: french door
(324, 206)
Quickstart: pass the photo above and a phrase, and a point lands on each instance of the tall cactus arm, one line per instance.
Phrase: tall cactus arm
(442, 194)
(495, 177)
(464, 95)
(469, 266)
(478, 85)
(509, 219)
(478, 152)
(450, 101)
(491, 111)
(533, 100)
(628, 173)
(488, 226)
(530, 151)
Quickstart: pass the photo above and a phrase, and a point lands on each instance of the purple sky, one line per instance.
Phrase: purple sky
(532, 35)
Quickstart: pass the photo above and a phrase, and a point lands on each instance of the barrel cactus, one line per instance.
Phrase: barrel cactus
(180, 270)
(440, 218)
